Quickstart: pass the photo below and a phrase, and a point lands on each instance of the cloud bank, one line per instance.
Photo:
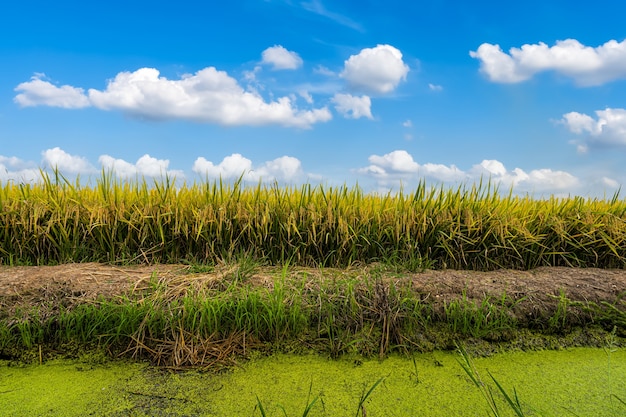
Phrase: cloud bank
(399, 166)
(208, 96)
(387, 171)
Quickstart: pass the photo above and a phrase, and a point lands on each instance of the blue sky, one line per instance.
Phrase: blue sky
(381, 93)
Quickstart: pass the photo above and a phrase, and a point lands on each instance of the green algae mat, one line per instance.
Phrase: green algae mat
(580, 381)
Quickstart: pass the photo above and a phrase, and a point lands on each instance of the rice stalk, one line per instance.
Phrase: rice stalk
(475, 227)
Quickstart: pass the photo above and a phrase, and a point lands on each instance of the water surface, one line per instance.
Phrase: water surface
(550, 383)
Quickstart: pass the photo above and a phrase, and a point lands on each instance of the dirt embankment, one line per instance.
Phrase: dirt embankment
(74, 283)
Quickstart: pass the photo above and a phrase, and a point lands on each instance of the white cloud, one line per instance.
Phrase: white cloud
(489, 167)
(13, 162)
(442, 172)
(586, 65)
(407, 123)
(232, 166)
(208, 96)
(16, 170)
(435, 87)
(377, 70)
(399, 167)
(395, 162)
(353, 107)
(146, 166)
(579, 123)
(498, 66)
(546, 180)
(536, 180)
(38, 92)
(608, 128)
(57, 158)
(400, 164)
(280, 58)
(65, 163)
(284, 169)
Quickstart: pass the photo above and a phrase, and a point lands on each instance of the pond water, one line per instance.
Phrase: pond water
(550, 383)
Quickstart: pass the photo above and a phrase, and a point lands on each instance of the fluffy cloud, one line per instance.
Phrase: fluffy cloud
(280, 58)
(608, 128)
(282, 169)
(394, 162)
(377, 70)
(579, 123)
(232, 166)
(208, 96)
(399, 166)
(146, 166)
(38, 92)
(545, 180)
(489, 167)
(353, 107)
(586, 65)
(57, 158)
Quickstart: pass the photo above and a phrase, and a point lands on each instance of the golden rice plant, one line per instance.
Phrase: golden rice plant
(467, 227)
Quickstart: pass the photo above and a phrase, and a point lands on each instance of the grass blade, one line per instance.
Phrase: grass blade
(365, 396)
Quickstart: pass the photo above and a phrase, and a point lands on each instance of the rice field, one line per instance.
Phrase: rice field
(469, 227)
(198, 321)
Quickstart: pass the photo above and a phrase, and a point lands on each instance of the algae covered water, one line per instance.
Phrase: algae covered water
(581, 381)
